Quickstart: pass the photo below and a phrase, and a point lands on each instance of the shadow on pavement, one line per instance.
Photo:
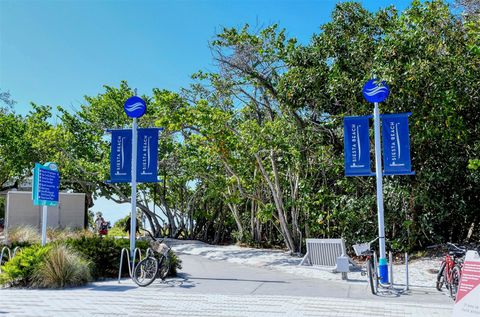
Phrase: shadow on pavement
(111, 288)
(175, 282)
(237, 280)
(186, 281)
(186, 277)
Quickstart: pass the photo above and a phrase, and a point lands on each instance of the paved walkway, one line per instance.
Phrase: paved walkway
(105, 299)
(216, 288)
(420, 270)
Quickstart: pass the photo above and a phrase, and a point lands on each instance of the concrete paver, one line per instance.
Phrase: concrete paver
(216, 288)
(123, 300)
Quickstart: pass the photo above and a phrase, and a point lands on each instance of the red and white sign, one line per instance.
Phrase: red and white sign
(468, 296)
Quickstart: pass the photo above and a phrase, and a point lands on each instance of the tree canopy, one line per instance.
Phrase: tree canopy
(253, 151)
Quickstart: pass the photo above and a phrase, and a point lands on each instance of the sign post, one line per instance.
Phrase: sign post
(134, 107)
(396, 150)
(46, 184)
(376, 92)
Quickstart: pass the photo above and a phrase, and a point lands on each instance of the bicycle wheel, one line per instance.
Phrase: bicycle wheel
(456, 271)
(164, 267)
(146, 271)
(440, 276)
(372, 276)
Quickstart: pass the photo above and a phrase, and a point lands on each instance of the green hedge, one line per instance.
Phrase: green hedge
(102, 252)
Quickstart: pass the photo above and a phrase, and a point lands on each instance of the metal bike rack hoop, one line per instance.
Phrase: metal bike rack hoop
(130, 264)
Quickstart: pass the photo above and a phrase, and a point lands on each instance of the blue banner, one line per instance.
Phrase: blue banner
(121, 156)
(396, 144)
(147, 155)
(357, 146)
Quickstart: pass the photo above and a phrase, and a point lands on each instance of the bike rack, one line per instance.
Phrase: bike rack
(131, 264)
(391, 286)
(406, 272)
(9, 254)
(390, 259)
(15, 251)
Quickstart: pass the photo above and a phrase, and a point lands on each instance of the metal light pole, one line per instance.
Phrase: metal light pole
(134, 107)
(383, 265)
(376, 92)
(133, 214)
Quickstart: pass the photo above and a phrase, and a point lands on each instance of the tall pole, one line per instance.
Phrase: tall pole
(383, 264)
(133, 214)
(44, 224)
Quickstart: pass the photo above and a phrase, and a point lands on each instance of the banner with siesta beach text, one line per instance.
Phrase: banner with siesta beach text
(396, 144)
(357, 146)
(147, 155)
(121, 155)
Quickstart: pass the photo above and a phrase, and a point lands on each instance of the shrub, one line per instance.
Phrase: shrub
(61, 267)
(117, 232)
(103, 253)
(175, 263)
(35, 265)
(19, 270)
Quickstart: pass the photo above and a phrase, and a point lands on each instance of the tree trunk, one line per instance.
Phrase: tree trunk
(277, 197)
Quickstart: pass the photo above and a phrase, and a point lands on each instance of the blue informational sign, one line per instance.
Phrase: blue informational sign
(135, 107)
(121, 156)
(46, 184)
(147, 155)
(375, 91)
(357, 146)
(396, 144)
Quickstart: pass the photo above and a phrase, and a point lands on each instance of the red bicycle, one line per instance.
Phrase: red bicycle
(451, 269)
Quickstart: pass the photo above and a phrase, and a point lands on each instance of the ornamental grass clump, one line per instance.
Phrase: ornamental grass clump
(23, 235)
(57, 234)
(62, 267)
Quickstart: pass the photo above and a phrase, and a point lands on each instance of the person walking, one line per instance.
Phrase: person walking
(98, 222)
(104, 228)
(128, 225)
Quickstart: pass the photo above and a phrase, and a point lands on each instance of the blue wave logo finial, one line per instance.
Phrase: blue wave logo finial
(135, 107)
(375, 91)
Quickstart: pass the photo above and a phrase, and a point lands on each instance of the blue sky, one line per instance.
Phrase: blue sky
(56, 52)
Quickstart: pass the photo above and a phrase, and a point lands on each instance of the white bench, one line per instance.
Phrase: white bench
(323, 253)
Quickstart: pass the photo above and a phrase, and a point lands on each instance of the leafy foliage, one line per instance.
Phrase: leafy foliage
(103, 253)
(19, 270)
(254, 151)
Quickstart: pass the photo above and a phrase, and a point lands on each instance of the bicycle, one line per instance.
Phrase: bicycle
(156, 264)
(451, 269)
(364, 249)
